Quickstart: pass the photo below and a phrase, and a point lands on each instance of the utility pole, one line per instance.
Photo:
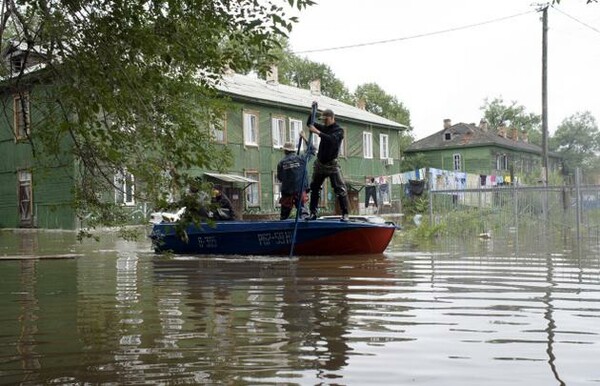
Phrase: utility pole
(544, 10)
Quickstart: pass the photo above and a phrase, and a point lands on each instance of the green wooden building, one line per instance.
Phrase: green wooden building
(478, 149)
(264, 115)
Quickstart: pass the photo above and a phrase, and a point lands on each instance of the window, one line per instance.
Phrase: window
(367, 144)
(250, 128)
(25, 198)
(253, 191)
(294, 132)
(316, 141)
(447, 136)
(343, 145)
(276, 191)
(278, 132)
(384, 149)
(21, 116)
(124, 188)
(457, 162)
(502, 162)
(218, 130)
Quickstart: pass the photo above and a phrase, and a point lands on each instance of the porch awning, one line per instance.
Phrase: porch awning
(232, 179)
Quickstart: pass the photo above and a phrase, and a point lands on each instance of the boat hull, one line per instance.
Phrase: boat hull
(320, 237)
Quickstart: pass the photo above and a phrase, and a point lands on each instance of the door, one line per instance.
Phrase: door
(235, 196)
(25, 199)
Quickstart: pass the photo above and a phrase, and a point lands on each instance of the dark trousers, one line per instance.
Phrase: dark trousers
(370, 191)
(333, 172)
(289, 201)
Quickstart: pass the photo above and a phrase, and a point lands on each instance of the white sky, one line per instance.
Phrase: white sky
(449, 75)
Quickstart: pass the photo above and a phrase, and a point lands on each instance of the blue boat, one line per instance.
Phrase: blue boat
(328, 236)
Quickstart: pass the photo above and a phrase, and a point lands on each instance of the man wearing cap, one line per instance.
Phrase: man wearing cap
(224, 209)
(326, 164)
(290, 171)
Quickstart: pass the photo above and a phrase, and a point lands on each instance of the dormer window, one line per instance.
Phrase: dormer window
(447, 136)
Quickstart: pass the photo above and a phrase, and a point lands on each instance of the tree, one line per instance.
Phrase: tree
(577, 140)
(133, 85)
(496, 112)
(300, 72)
(381, 103)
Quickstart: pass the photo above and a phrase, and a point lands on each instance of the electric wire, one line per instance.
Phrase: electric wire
(447, 30)
(577, 20)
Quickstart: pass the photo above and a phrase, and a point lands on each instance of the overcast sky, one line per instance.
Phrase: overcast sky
(439, 75)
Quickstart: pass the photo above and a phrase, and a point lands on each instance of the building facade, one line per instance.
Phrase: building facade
(478, 149)
(262, 117)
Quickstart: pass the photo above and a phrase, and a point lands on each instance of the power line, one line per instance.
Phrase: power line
(414, 36)
(578, 21)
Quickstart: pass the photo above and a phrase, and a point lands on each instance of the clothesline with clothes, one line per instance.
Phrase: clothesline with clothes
(440, 179)
(450, 180)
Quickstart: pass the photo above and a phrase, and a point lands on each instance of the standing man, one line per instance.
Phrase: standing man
(290, 171)
(326, 164)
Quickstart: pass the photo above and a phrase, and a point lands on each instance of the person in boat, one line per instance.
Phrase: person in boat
(326, 165)
(291, 172)
(223, 209)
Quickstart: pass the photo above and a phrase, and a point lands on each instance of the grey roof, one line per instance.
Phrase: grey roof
(468, 135)
(251, 87)
(230, 178)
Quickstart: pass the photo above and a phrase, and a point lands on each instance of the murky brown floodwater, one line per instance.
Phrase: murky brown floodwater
(458, 313)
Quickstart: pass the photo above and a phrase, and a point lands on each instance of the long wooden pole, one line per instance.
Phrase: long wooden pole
(313, 114)
(545, 93)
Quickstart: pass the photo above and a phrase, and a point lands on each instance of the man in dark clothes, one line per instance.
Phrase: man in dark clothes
(290, 171)
(224, 209)
(326, 164)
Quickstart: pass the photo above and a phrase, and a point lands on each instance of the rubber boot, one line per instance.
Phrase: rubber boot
(343, 200)
(314, 202)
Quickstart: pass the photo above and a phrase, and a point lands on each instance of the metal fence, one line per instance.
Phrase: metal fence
(556, 211)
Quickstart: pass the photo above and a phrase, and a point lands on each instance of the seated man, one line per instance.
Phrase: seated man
(224, 210)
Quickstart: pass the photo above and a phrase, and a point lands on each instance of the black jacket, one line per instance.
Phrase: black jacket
(331, 139)
(290, 171)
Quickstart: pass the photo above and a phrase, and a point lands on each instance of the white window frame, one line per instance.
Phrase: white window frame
(294, 130)
(342, 152)
(384, 146)
(253, 190)
(278, 132)
(501, 162)
(25, 195)
(276, 191)
(124, 188)
(457, 162)
(250, 127)
(316, 141)
(367, 145)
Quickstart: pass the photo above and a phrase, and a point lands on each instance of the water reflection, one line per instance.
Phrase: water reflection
(26, 345)
(465, 312)
(262, 316)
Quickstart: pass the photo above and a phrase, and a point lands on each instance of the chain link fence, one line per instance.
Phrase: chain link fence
(550, 211)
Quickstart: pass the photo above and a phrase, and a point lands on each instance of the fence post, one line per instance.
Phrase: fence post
(578, 201)
(430, 208)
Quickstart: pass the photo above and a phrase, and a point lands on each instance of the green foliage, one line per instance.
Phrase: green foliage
(577, 140)
(300, 72)
(381, 103)
(133, 85)
(496, 112)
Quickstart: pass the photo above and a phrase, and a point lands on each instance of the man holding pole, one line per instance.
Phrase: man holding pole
(326, 165)
(291, 172)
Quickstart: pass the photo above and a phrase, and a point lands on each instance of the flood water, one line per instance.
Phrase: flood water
(470, 312)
